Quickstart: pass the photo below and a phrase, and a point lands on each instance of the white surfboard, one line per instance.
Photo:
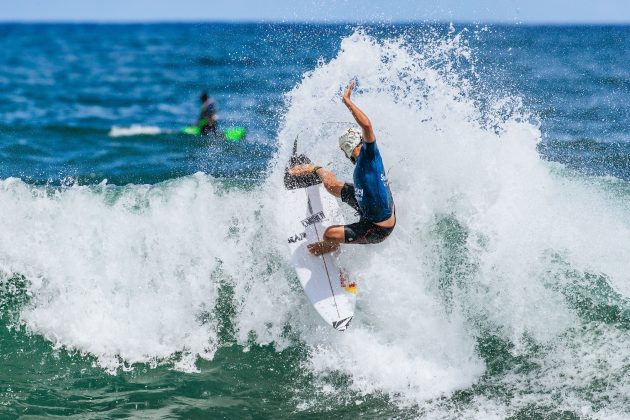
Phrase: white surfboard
(327, 287)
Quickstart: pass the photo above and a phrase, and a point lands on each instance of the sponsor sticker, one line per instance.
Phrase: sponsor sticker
(348, 286)
(297, 237)
(314, 218)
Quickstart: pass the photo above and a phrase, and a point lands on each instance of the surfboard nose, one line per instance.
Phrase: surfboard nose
(341, 325)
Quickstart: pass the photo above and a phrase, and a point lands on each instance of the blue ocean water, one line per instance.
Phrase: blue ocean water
(68, 85)
(140, 274)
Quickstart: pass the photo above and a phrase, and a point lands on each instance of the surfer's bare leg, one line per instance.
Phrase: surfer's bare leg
(329, 179)
(333, 237)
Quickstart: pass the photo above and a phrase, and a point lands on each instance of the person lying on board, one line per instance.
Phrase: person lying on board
(369, 195)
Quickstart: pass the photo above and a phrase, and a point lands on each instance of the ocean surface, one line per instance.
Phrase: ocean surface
(144, 273)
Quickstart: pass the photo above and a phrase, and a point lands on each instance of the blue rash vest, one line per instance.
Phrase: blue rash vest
(371, 188)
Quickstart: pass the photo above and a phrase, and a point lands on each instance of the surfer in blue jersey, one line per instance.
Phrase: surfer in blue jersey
(369, 194)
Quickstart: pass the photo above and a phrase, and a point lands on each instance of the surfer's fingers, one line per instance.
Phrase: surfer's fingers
(348, 91)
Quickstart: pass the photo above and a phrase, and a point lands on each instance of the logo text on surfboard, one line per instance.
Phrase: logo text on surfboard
(349, 286)
(297, 237)
(314, 218)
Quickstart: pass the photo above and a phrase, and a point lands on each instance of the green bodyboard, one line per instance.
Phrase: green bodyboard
(230, 134)
(192, 129)
(234, 133)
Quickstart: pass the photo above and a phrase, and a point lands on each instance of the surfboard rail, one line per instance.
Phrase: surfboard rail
(312, 210)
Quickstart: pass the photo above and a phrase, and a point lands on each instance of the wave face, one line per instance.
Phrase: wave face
(502, 291)
(491, 241)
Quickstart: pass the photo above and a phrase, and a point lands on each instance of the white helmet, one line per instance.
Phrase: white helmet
(348, 141)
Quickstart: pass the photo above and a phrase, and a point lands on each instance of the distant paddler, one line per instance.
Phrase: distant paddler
(207, 123)
(369, 195)
(208, 117)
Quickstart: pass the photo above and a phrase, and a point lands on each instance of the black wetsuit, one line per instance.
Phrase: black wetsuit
(208, 117)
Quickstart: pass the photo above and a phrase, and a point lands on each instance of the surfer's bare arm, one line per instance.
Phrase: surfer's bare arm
(359, 116)
(329, 179)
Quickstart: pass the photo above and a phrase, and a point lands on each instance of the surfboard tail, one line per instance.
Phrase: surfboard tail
(294, 182)
(295, 146)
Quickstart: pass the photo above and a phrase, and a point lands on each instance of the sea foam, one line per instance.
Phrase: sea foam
(135, 130)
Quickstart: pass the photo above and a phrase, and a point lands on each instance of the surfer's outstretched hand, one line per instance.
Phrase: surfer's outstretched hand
(301, 170)
(346, 96)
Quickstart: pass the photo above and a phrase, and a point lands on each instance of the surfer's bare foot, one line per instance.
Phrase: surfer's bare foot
(322, 247)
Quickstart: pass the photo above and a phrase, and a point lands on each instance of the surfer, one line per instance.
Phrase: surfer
(208, 117)
(369, 195)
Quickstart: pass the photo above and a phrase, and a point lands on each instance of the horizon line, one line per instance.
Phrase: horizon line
(311, 22)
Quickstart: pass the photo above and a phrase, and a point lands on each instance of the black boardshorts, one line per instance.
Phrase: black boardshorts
(363, 231)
